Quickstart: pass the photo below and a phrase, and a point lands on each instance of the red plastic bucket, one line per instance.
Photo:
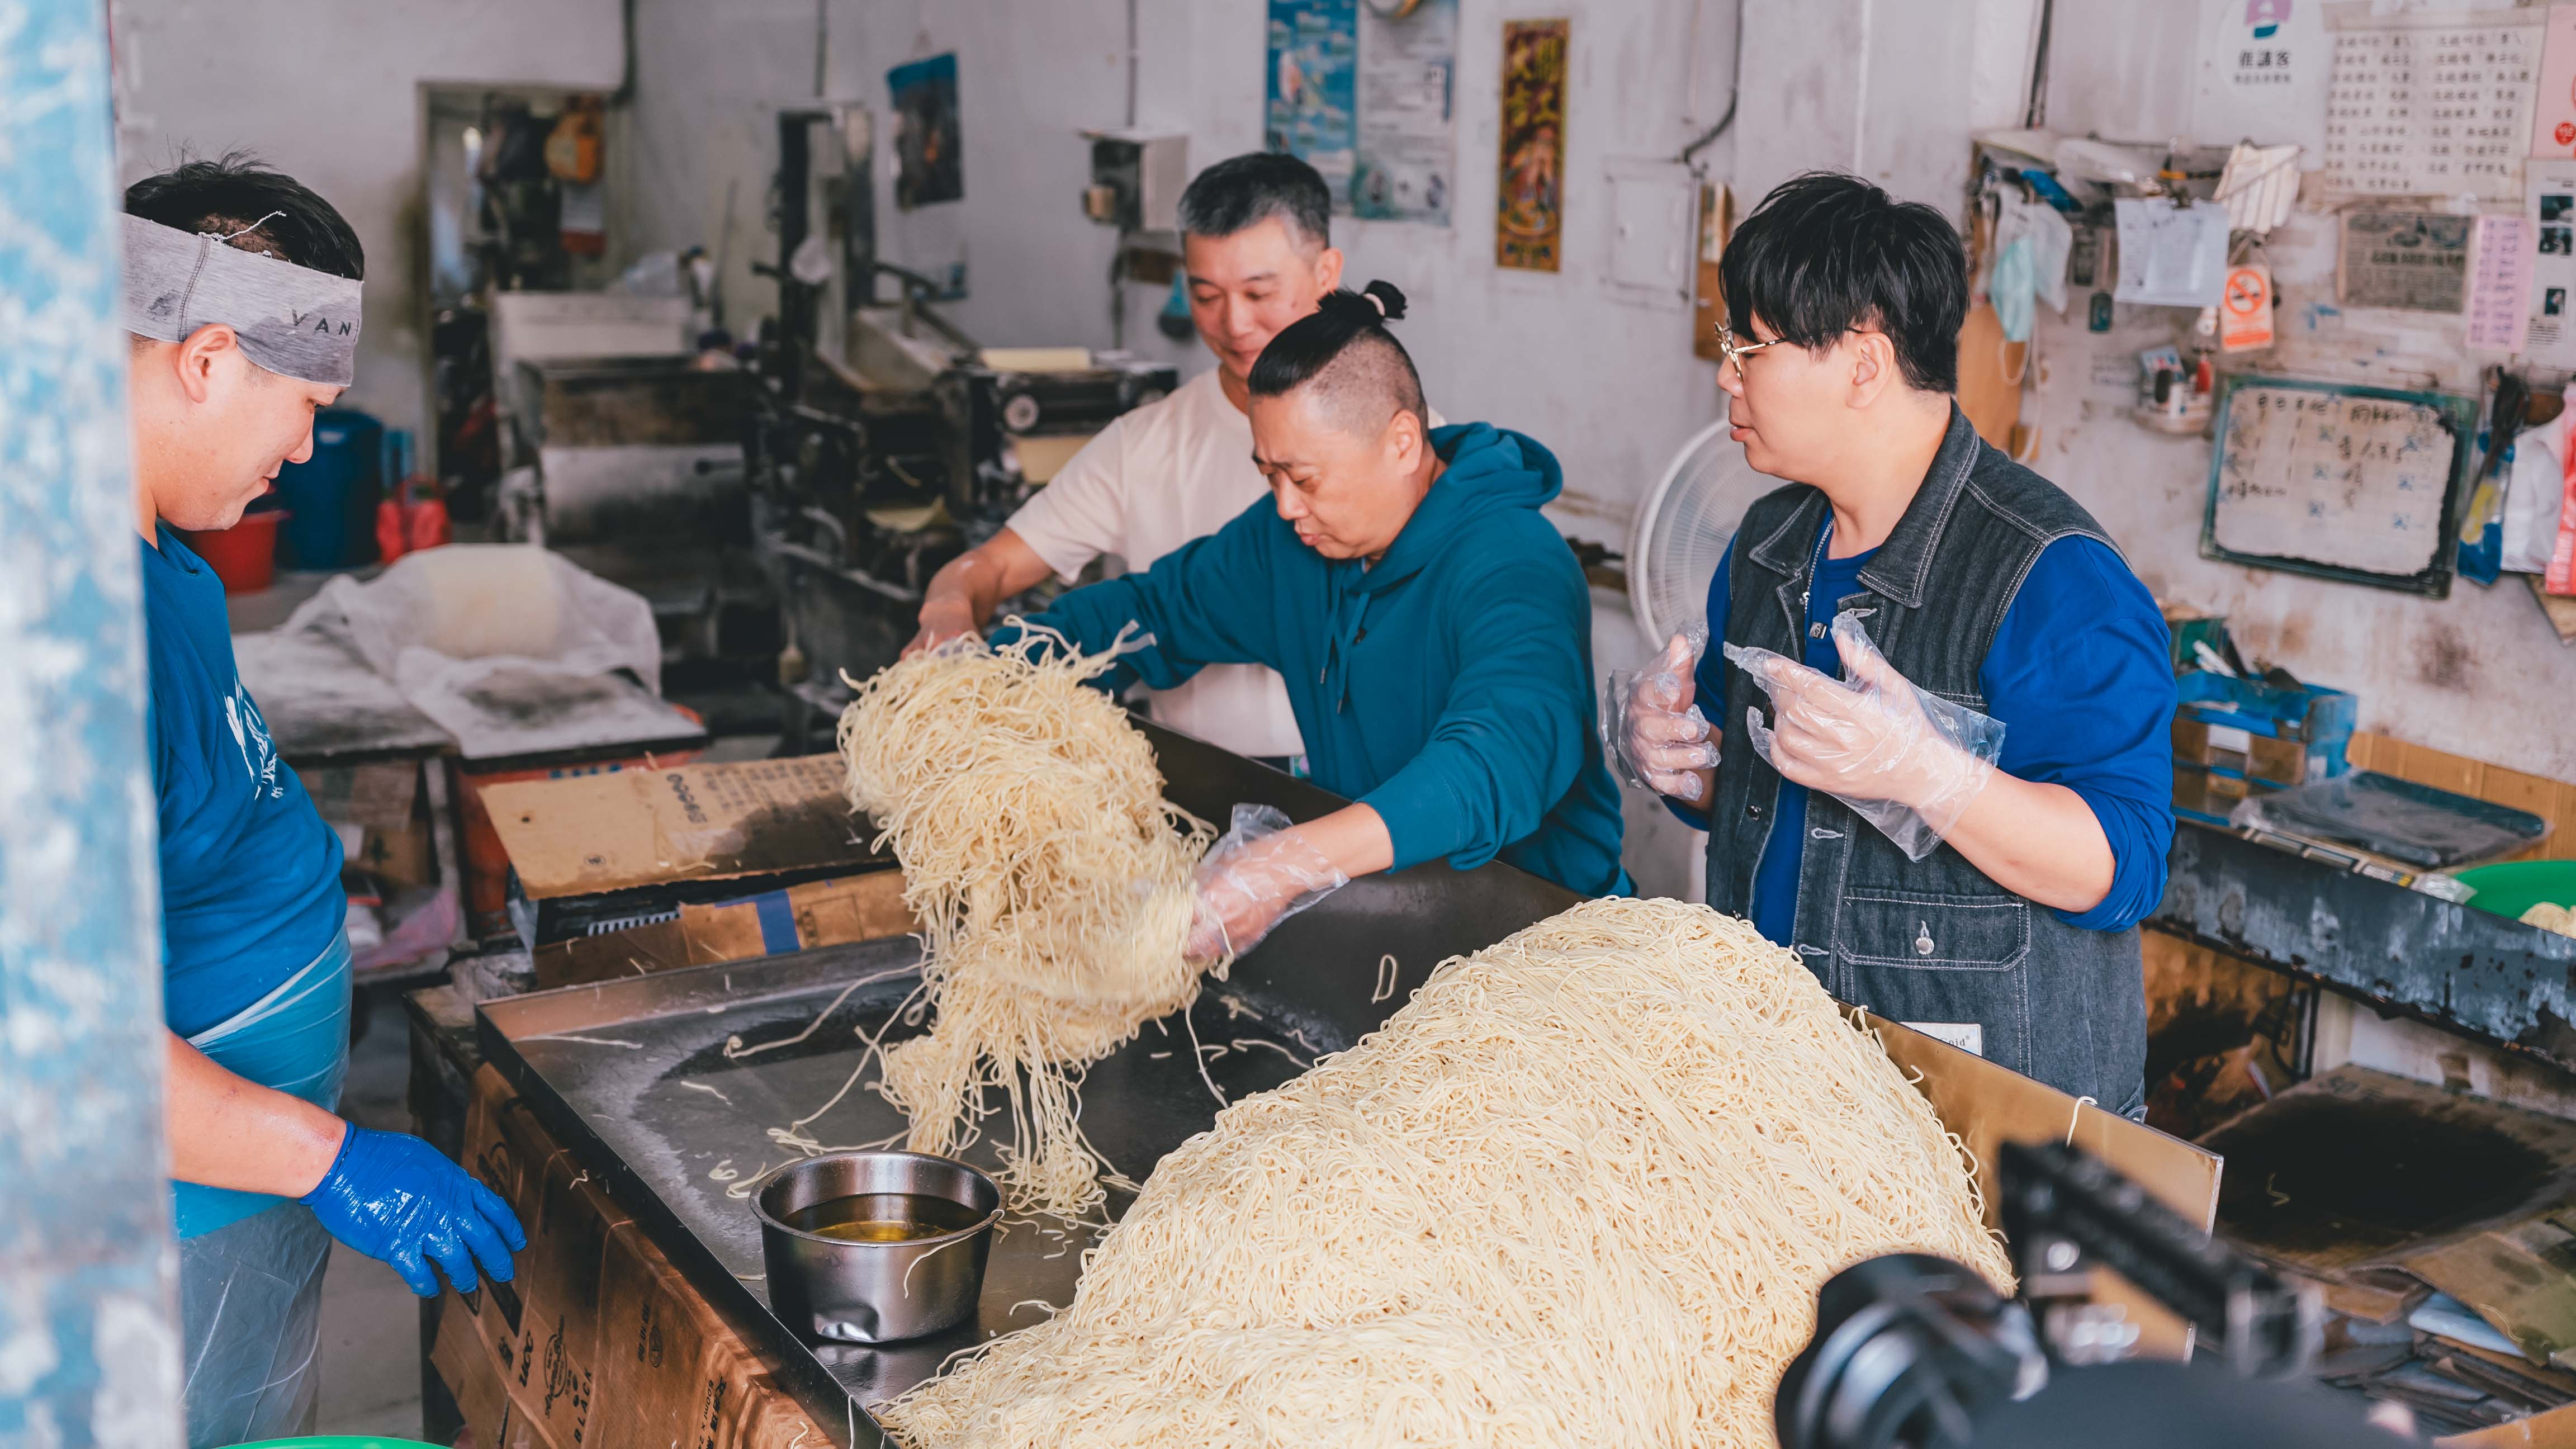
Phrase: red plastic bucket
(244, 556)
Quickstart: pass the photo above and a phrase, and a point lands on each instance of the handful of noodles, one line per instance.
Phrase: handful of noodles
(1052, 880)
(1581, 1190)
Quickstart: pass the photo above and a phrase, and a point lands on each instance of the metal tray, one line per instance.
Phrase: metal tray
(632, 1075)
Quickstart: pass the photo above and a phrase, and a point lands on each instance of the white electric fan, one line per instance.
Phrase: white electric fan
(1683, 530)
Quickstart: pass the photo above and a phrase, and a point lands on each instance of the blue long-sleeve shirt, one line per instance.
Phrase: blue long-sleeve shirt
(2082, 677)
(1449, 687)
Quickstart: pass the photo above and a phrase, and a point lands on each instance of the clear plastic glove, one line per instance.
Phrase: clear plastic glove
(1650, 726)
(1258, 874)
(948, 607)
(395, 1198)
(1906, 761)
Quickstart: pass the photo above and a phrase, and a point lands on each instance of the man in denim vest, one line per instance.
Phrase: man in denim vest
(1907, 591)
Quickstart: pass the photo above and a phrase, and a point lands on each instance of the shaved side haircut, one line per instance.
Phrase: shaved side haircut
(1358, 374)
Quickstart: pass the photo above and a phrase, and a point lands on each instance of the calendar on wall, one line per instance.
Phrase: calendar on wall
(2427, 105)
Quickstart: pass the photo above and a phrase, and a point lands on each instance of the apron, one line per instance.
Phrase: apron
(295, 1039)
(250, 1264)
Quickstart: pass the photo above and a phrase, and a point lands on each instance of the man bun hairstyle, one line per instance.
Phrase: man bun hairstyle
(255, 209)
(1361, 375)
(1244, 191)
(1828, 252)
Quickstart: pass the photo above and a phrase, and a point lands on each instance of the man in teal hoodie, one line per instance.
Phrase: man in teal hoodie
(1433, 628)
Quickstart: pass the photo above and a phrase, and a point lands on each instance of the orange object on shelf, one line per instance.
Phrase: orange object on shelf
(244, 556)
(407, 521)
(572, 149)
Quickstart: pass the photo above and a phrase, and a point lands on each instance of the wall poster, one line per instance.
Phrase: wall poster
(2417, 261)
(2430, 104)
(2549, 211)
(926, 146)
(1363, 90)
(1529, 220)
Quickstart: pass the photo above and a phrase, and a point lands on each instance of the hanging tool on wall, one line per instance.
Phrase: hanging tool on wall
(2482, 522)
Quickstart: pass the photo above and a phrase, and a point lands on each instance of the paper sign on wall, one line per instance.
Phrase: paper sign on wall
(1363, 93)
(2549, 208)
(2500, 284)
(2245, 311)
(2263, 72)
(2427, 105)
(2415, 261)
(2171, 256)
(2553, 112)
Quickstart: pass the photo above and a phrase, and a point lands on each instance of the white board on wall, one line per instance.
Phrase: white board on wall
(2347, 482)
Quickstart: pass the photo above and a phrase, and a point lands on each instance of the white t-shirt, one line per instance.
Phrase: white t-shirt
(1154, 479)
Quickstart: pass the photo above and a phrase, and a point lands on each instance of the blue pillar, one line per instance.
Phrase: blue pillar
(88, 1304)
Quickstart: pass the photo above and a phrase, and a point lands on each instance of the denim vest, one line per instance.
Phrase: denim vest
(1934, 943)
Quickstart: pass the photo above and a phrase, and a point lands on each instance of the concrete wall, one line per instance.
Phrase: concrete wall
(2479, 673)
(330, 94)
(1606, 379)
(1890, 89)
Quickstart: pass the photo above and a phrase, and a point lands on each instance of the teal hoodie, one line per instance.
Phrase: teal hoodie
(1449, 687)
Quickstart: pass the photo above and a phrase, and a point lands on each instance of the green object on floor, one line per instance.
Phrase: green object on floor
(2516, 886)
(338, 1441)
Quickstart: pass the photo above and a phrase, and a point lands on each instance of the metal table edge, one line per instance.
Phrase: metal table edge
(805, 1377)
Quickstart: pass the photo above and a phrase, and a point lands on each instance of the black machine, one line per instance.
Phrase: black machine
(881, 440)
(1913, 1351)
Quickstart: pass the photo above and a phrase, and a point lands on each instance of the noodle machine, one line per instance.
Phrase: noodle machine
(881, 439)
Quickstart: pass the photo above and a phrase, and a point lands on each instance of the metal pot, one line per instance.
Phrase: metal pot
(875, 1292)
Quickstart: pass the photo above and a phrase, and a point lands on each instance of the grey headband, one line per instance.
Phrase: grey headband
(292, 320)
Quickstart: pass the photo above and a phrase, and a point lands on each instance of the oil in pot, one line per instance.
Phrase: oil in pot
(883, 1217)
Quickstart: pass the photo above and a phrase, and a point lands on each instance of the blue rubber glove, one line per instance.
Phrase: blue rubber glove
(397, 1199)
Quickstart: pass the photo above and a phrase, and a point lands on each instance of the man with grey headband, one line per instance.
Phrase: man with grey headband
(241, 291)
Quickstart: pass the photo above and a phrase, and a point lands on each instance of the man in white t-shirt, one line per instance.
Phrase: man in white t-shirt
(1254, 239)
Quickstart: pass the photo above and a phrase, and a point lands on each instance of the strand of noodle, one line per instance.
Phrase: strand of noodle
(1199, 1056)
(1053, 884)
(734, 1049)
(1580, 1189)
(1386, 970)
(875, 1047)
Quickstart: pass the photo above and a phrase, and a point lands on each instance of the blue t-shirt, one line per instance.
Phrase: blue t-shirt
(250, 876)
(2081, 674)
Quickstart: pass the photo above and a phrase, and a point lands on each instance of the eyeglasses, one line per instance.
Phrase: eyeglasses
(1736, 351)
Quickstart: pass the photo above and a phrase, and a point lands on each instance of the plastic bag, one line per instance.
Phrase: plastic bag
(1259, 873)
(1651, 740)
(456, 627)
(1909, 761)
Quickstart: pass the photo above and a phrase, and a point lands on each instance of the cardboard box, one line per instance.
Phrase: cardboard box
(377, 796)
(403, 857)
(542, 1327)
(672, 1363)
(473, 1379)
(1987, 1105)
(799, 917)
(2282, 762)
(599, 1341)
(2548, 1429)
(597, 854)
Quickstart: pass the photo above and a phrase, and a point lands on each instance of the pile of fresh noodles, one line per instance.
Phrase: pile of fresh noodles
(1581, 1190)
(1052, 881)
